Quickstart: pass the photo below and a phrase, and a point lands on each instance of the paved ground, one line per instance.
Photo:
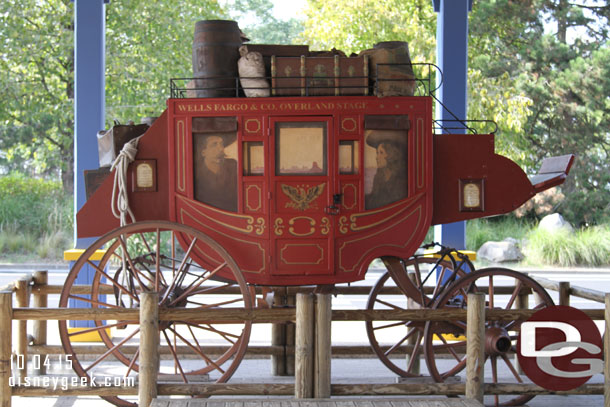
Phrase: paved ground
(343, 370)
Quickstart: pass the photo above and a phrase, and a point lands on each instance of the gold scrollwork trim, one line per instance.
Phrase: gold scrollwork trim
(416, 211)
(260, 226)
(258, 125)
(248, 219)
(302, 245)
(354, 218)
(184, 214)
(260, 198)
(325, 227)
(312, 229)
(279, 227)
(420, 152)
(343, 224)
(181, 159)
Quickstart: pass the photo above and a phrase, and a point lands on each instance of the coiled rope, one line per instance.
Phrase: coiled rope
(120, 200)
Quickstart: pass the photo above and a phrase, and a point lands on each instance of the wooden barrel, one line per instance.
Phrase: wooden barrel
(391, 67)
(215, 54)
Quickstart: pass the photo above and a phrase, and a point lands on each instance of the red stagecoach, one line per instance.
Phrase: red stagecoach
(306, 187)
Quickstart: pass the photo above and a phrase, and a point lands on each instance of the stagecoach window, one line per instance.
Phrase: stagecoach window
(348, 157)
(385, 167)
(300, 148)
(215, 168)
(254, 158)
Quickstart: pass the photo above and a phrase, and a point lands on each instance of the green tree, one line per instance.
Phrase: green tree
(355, 25)
(555, 54)
(146, 44)
(37, 64)
(260, 25)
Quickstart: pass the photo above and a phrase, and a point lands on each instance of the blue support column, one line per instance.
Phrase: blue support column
(89, 115)
(89, 98)
(452, 58)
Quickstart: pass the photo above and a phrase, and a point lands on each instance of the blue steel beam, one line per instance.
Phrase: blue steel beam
(89, 98)
(452, 58)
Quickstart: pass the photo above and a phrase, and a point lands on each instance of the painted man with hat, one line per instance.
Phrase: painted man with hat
(390, 181)
(215, 174)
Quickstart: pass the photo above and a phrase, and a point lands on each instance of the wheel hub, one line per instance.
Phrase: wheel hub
(497, 341)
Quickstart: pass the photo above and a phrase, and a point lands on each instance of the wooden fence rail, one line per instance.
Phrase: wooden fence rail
(37, 286)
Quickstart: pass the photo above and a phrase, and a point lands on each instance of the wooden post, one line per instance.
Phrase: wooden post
(278, 336)
(564, 293)
(303, 381)
(475, 346)
(291, 301)
(522, 302)
(149, 348)
(39, 327)
(22, 294)
(6, 322)
(607, 352)
(411, 304)
(323, 346)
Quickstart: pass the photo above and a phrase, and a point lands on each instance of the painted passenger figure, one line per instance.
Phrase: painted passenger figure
(390, 181)
(215, 174)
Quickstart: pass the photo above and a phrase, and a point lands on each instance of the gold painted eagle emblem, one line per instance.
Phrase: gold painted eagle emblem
(302, 198)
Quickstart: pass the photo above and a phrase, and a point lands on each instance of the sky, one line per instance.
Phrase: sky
(284, 9)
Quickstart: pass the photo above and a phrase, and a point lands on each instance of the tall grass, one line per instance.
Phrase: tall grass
(479, 231)
(586, 247)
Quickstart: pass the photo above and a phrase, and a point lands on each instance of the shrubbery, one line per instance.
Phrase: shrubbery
(35, 216)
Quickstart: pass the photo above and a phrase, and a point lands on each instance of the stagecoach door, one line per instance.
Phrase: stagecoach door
(302, 195)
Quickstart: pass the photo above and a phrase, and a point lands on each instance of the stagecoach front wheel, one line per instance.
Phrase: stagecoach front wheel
(407, 284)
(445, 343)
(156, 257)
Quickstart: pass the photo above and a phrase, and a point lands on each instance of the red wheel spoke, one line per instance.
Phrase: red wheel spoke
(387, 304)
(514, 295)
(93, 302)
(192, 287)
(132, 362)
(209, 290)
(111, 350)
(209, 328)
(95, 329)
(389, 325)
(206, 306)
(132, 270)
(176, 361)
(494, 377)
(207, 359)
(115, 283)
(197, 349)
(397, 345)
(491, 291)
(415, 351)
(178, 273)
(449, 347)
(511, 367)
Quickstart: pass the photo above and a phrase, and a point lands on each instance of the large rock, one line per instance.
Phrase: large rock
(555, 223)
(499, 252)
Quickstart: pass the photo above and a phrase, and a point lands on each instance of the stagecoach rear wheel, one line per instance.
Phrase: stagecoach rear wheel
(406, 284)
(146, 257)
(445, 343)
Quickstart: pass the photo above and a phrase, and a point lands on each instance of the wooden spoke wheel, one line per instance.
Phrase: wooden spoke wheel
(145, 257)
(445, 343)
(407, 284)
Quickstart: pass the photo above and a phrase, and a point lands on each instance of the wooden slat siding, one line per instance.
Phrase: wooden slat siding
(386, 402)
